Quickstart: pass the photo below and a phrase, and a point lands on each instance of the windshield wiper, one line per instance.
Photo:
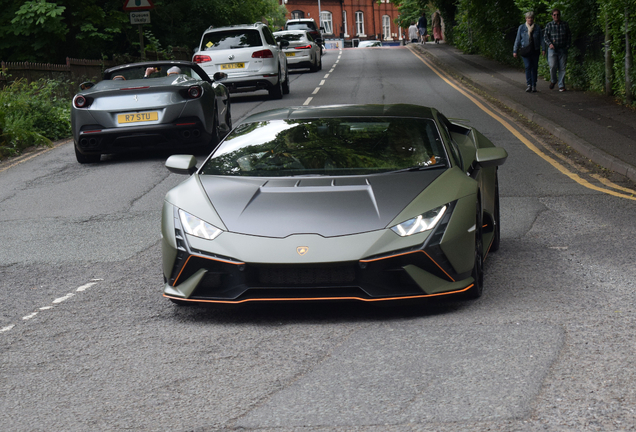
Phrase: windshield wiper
(419, 168)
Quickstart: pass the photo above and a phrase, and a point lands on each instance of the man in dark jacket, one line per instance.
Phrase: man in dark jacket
(557, 38)
(421, 26)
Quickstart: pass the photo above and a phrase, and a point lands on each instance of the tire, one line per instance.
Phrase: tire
(478, 267)
(276, 92)
(286, 83)
(496, 240)
(216, 136)
(320, 62)
(228, 115)
(315, 67)
(86, 159)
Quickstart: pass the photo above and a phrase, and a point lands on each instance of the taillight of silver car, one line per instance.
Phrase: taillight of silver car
(195, 92)
(80, 101)
(263, 54)
(201, 59)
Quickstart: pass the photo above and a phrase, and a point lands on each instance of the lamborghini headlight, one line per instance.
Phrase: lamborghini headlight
(421, 223)
(198, 228)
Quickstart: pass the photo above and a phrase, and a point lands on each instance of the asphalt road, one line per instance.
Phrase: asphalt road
(88, 343)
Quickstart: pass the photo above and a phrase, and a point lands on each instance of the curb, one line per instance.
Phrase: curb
(10, 162)
(577, 143)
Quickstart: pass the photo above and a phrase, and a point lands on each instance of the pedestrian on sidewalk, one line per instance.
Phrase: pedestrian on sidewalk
(413, 33)
(421, 26)
(528, 45)
(557, 38)
(436, 22)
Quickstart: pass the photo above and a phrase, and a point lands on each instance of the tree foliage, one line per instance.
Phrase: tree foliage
(488, 27)
(50, 31)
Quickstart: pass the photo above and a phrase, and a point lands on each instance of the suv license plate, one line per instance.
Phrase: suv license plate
(233, 66)
(290, 54)
(138, 117)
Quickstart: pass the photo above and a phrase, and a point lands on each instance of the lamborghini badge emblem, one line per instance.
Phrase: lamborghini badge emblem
(302, 250)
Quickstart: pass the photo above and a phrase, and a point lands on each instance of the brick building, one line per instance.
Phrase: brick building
(350, 19)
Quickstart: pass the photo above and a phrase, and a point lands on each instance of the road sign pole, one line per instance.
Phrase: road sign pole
(139, 14)
(141, 42)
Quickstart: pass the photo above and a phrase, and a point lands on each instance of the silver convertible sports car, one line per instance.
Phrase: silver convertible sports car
(348, 202)
(149, 105)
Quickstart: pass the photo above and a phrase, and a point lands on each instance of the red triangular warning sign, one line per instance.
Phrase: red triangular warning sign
(137, 5)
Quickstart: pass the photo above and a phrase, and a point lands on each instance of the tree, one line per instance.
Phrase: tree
(53, 30)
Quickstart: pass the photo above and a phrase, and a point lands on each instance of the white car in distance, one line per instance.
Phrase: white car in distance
(303, 51)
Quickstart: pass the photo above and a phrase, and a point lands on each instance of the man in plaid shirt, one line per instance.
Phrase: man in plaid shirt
(557, 38)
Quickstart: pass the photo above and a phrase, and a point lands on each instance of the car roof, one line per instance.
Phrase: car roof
(284, 32)
(237, 26)
(300, 20)
(308, 112)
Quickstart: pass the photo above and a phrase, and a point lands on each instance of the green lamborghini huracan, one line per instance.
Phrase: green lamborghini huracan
(344, 202)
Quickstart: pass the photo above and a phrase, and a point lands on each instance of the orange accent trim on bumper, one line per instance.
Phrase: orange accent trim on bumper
(209, 258)
(323, 298)
(407, 253)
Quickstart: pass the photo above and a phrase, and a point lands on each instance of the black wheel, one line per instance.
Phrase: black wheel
(286, 83)
(228, 115)
(478, 267)
(216, 136)
(496, 218)
(276, 92)
(86, 159)
(315, 67)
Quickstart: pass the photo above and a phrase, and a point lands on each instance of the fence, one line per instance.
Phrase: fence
(75, 70)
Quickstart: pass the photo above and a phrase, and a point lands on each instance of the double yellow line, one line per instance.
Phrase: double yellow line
(628, 193)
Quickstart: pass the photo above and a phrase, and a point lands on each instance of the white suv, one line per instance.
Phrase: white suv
(248, 54)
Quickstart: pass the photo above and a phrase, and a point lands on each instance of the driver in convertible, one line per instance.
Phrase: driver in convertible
(174, 70)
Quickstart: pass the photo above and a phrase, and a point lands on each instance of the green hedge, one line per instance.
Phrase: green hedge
(33, 114)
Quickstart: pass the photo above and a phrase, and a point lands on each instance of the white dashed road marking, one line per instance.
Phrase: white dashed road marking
(322, 82)
(61, 299)
(54, 302)
(85, 287)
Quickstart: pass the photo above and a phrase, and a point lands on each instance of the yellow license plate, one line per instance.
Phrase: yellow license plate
(138, 117)
(290, 54)
(233, 66)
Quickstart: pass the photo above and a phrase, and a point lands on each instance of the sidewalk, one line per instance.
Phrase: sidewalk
(594, 125)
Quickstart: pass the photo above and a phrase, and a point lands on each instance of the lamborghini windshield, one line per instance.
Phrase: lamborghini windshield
(328, 146)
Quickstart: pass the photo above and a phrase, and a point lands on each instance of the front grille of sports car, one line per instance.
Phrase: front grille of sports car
(306, 276)
(233, 281)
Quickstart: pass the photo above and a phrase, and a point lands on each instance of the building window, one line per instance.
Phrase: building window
(386, 27)
(360, 23)
(326, 21)
(344, 23)
(297, 14)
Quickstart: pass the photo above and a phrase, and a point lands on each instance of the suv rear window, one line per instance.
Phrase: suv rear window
(311, 26)
(291, 37)
(231, 39)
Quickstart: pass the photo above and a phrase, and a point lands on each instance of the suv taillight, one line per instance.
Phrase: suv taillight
(303, 47)
(263, 54)
(201, 58)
